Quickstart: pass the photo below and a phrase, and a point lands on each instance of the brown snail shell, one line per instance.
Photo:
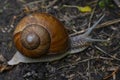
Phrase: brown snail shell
(40, 33)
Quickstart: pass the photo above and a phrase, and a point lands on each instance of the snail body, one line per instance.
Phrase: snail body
(40, 37)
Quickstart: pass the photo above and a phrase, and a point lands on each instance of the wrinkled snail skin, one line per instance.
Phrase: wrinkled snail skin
(77, 44)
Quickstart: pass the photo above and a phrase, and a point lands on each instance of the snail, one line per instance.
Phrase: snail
(40, 37)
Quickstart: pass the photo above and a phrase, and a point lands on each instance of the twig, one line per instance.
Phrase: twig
(107, 53)
(52, 3)
(112, 74)
(34, 2)
(88, 73)
(82, 75)
(85, 60)
(89, 24)
(5, 67)
(105, 24)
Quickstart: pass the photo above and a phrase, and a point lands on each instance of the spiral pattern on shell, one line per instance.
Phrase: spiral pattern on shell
(40, 33)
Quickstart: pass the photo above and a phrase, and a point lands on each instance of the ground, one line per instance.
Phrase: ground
(100, 61)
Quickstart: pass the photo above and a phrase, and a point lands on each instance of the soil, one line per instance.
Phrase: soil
(100, 61)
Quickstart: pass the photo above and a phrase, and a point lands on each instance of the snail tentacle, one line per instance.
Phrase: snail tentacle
(91, 28)
(95, 40)
(81, 42)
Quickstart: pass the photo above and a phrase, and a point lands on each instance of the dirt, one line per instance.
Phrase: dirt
(100, 61)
